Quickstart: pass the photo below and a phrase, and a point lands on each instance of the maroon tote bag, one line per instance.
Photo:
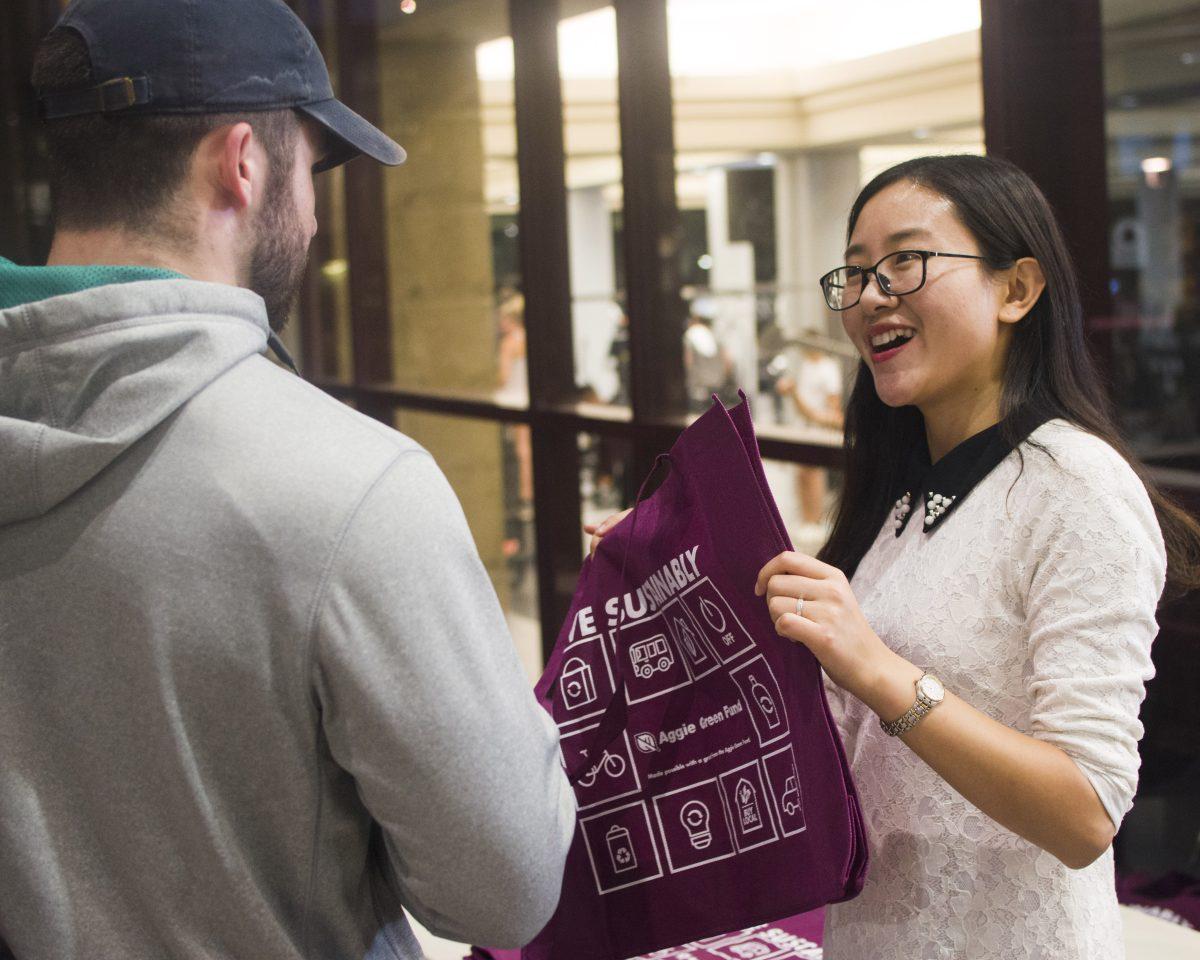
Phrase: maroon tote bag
(713, 792)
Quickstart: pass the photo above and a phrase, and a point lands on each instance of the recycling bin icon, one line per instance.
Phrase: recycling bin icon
(577, 684)
(620, 849)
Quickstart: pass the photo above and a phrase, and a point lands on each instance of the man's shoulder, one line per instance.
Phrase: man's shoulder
(303, 443)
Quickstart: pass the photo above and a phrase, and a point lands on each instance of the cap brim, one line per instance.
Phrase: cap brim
(352, 136)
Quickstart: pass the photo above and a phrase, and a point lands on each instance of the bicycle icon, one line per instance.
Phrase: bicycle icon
(612, 764)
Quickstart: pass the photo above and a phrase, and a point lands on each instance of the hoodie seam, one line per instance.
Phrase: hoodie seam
(35, 344)
(36, 468)
(39, 365)
(310, 658)
(47, 399)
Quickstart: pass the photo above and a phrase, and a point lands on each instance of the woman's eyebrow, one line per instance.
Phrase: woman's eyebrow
(897, 237)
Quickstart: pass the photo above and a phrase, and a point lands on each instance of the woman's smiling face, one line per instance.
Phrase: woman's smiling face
(958, 344)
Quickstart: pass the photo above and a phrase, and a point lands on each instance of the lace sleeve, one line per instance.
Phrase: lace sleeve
(1098, 567)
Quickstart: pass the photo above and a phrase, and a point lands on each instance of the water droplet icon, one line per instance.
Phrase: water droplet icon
(712, 613)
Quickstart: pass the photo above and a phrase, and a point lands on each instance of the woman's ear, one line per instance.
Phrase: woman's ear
(1024, 285)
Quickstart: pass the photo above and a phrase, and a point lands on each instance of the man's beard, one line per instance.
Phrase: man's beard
(279, 256)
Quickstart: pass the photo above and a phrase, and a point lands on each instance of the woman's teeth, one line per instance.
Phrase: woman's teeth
(890, 339)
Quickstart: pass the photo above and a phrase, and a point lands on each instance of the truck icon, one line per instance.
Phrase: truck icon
(791, 797)
(651, 655)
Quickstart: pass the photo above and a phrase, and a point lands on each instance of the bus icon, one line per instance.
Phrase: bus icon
(651, 655)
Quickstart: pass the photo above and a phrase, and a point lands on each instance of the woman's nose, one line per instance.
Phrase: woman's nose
(874, 297)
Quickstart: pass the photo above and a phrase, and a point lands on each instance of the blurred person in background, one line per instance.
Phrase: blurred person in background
(816, 394)
(707, 363)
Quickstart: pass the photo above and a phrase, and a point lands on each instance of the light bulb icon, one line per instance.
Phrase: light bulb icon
(712, 613)
(694, 817)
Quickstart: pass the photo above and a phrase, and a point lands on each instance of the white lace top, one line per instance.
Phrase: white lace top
(1035, 605)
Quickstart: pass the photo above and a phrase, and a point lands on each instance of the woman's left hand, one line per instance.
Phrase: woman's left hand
(831, 624)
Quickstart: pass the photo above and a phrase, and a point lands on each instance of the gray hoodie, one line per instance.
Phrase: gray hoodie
(256, 691)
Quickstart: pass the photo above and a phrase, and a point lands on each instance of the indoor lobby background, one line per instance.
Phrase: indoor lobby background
(612, 210)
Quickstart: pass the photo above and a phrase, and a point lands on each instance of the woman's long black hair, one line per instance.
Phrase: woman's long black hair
(1049, 372)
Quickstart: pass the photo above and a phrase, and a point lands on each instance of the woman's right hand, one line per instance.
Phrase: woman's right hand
(598, 530)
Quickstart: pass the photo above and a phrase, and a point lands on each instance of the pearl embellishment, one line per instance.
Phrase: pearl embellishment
(935, 505)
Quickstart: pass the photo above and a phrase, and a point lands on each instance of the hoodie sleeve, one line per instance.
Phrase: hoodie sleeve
(425, 704)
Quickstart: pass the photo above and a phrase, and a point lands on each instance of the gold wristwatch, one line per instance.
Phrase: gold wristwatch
(930, 693)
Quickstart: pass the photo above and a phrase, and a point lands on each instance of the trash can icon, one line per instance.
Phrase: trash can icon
(620, 849)
(577, 684)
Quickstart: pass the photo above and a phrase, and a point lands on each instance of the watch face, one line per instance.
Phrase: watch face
(931, 688)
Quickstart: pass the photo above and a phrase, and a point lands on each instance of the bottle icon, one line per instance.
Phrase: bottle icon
(712, 613)
(620, 849)
(747, 805)
(691, 644)
(765, 702)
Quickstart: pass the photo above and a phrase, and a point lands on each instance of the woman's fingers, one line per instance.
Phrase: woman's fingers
(790, 562)
(599, 530)
(793, 586)
(801, 630)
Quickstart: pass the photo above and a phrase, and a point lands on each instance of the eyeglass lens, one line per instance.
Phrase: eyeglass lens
(898, 273)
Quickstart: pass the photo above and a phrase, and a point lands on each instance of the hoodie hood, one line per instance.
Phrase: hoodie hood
(85, 375)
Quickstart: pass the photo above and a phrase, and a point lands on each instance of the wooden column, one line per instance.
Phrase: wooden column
(652, 223)
(366, 216)
(1043, 109)
(545, 272)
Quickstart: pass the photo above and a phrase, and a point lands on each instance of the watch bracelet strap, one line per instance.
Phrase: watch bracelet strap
(909, 719)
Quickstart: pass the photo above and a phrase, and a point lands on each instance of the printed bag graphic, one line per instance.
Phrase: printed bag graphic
(712, 789)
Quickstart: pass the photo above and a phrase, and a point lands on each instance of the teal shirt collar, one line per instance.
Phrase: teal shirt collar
(22, 285)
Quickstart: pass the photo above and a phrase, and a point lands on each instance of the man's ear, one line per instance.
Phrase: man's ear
(239, 172)
(1024, 285)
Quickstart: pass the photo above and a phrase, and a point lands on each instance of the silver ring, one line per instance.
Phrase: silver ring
(799, 606)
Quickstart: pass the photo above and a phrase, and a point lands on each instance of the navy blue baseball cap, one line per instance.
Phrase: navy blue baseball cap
(210, 56)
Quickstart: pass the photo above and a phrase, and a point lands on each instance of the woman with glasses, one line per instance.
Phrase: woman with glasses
(985, 605)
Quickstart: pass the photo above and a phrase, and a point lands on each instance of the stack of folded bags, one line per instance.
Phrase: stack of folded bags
(797, 937)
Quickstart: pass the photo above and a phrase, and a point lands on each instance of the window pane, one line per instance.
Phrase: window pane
(1152, 75)
(1152, 80)
(483, 462)
(455, 313)
(321, 340)
(781, 115)
(805, 496)
(606, 484)
(588, 65)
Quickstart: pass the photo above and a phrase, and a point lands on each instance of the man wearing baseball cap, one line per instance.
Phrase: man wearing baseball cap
(257, 696)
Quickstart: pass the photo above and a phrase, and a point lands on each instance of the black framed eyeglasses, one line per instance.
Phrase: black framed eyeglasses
(897, 274)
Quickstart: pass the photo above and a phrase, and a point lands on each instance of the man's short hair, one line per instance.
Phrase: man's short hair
(113, 170)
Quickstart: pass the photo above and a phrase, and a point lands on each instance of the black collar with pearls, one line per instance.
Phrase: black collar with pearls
(942, 486)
